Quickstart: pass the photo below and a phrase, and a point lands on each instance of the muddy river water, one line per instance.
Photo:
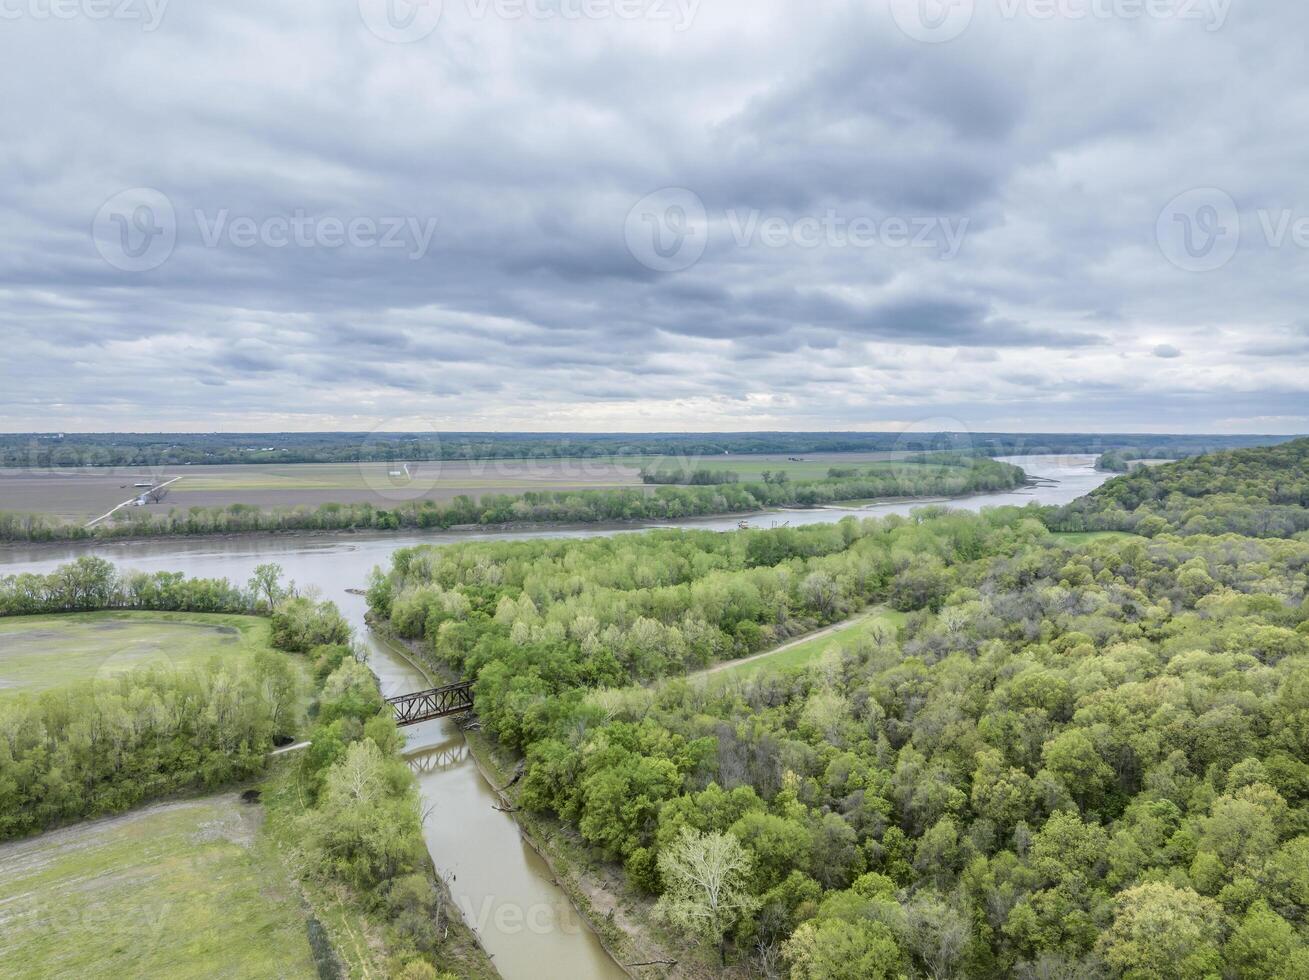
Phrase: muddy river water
(503, 888)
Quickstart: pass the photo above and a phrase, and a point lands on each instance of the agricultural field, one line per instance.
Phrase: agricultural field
(178, 890)
(38, 653)
(83, 493)
(810, 466)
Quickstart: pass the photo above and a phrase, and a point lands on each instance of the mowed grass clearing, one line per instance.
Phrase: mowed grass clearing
(802, 653)
(179, 890)
(38, 653)
(1087, 537)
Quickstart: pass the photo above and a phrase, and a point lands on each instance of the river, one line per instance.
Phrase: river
(503, 887)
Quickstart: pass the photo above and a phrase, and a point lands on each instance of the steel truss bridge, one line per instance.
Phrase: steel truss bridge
(440, 702)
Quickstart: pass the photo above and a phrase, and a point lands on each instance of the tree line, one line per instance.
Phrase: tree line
(573, 507)
(90, 583)
(1255, 492)
(1072, 761)
(104, 746)
(53, 450)
(701, 476)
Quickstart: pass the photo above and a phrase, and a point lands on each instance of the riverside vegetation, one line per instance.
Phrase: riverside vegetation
(1079, 756)
(923, 478)
(1257, 492)
(347, 814)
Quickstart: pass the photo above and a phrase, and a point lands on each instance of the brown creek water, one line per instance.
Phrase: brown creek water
(501, 885)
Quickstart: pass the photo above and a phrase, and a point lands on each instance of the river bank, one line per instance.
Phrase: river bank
(295, 503)
(625, 944)
(1051, 481)
(597, 889)
(530, 528)
(500, 884)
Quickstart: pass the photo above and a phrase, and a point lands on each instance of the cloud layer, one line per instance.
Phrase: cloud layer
(653, 214)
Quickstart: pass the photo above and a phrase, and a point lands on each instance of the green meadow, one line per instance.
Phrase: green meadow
(38, 653)
(804, 652)
(1087, 537)
(179, 890)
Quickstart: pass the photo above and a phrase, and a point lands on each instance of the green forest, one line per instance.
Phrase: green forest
(1257, 492)
(1076, 758)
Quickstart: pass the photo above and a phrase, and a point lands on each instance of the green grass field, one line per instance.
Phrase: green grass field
(42, 652)
(809, 651)
(1086, 537)
(180, 890)
(808, 468)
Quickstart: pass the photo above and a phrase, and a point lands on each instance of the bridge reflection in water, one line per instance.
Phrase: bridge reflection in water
(438, 758)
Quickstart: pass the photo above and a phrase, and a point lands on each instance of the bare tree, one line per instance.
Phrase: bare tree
(706, 886)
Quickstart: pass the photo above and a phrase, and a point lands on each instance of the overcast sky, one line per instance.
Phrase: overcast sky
(654, 214)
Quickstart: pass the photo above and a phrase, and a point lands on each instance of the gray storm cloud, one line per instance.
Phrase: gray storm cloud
(284, 214)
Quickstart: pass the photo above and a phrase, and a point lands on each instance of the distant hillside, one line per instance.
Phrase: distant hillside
(1260, 492)
(47, 450)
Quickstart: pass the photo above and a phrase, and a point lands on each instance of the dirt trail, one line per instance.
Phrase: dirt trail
(840, 627)
(131, 500)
